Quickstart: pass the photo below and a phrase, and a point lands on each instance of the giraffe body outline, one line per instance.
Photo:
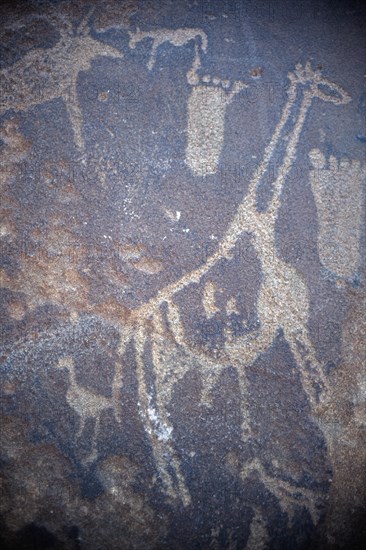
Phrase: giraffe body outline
(245, 351)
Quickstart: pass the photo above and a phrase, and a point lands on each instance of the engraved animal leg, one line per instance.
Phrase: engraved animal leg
(243, 352)
(290, 496)
(83, 27)
(311, 371)
(116, 390)
(152, 59)
(162, 400)
(162, 452)
(117, 379)
(81, 427)
(94, 451)
(75, 114)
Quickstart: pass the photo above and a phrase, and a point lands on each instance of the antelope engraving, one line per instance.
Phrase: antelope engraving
(178, 37)
(44, 75)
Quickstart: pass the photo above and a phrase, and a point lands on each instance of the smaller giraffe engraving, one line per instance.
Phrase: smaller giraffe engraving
(86, 404)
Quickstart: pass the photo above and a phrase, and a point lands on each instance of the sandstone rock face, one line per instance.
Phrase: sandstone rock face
(182, 275)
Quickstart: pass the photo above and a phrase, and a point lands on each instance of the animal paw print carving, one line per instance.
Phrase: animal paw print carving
(206, 120)
(337, 186)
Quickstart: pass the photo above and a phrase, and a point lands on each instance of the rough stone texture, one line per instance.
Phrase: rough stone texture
(183, 275)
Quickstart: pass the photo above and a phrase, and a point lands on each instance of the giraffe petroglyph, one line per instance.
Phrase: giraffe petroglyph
(44, 75)
(283, 301)
(89, 405)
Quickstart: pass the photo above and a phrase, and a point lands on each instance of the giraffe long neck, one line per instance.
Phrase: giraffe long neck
(246, 215)
(72, 377)
(272, 146)
(289, 156)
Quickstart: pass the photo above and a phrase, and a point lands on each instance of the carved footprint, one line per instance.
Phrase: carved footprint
(206, 120)
(338, 191)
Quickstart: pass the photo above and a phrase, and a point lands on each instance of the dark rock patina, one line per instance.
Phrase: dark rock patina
(182, 275)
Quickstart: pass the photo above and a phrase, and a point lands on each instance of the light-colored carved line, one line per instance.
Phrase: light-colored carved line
(159, 447)
(86, 404)
(311, 371)
(158, 343)
(270, 149)
(239, 223)
(288, 495)
(232, 234)
(178, 37)
(83, 26)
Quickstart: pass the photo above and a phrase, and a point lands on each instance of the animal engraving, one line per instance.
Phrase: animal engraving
(283, 299)
(87, 404)
(155, 331)
(44, 75)
(178, 37)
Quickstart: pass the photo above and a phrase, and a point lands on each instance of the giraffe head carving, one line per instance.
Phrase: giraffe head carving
(318, 85)
(65, 363)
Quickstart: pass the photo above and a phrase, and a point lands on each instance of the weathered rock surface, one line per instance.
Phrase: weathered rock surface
(182, 275)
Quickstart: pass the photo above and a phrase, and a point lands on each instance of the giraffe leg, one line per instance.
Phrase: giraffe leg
(163, 425)
(152, 59)
(94, 451)
(75, 115)
(243, 352)
(81, 427)
(311, 371)
(148, 415)
(290, 496)
(116, 390)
